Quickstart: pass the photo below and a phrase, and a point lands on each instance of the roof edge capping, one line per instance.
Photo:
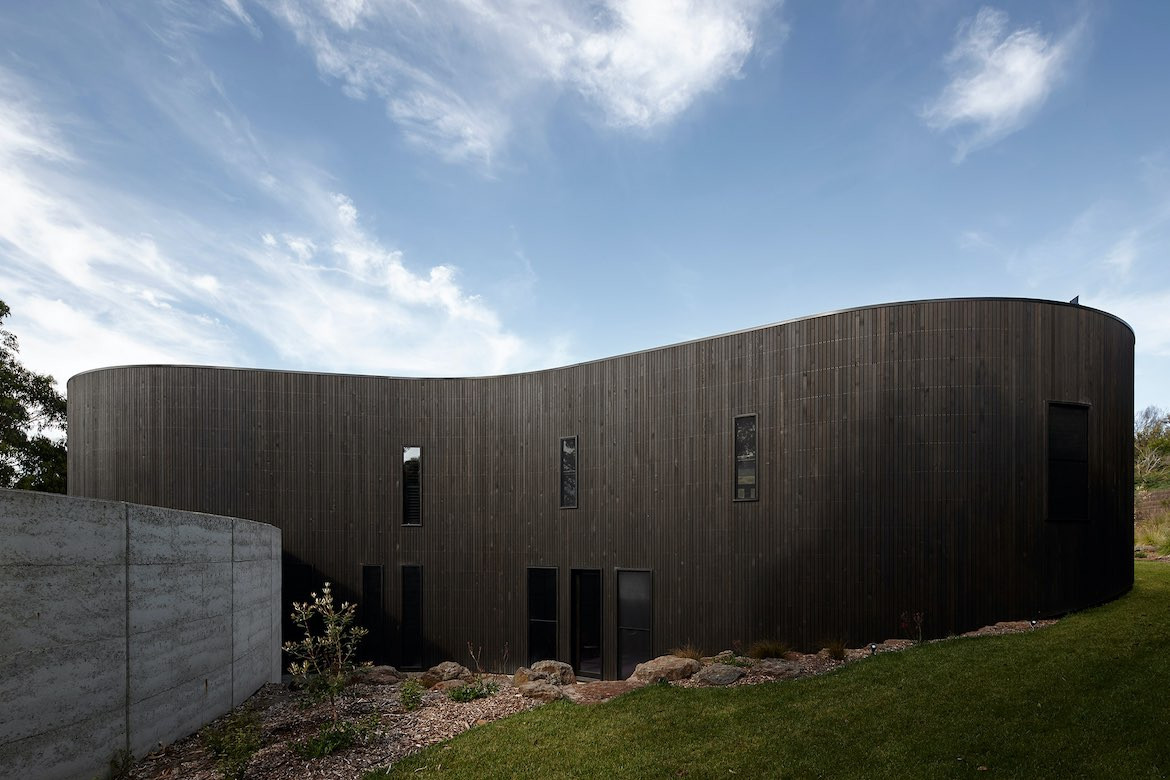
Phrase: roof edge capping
(647, 350)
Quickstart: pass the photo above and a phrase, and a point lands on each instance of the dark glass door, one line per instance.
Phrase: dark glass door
(635, 620)
(372, 648)
(411, 630)
(542, 614)
(587, 622)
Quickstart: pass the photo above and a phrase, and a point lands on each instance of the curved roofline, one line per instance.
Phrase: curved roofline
(648, 350)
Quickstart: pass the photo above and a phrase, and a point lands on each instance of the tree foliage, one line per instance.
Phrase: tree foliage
(1151, 447)
(30, 410)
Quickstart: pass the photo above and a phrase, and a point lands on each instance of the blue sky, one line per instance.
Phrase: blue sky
(461, 187)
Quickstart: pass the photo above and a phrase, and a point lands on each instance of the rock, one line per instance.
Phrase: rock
(524, 674)
(448, 670)
(378, 675)
(558, 672)
(718, 674)
(542, 690)
(446, 685)
(776, 667)
(665, 667)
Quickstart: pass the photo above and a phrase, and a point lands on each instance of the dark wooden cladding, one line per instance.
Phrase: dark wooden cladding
(901, 457)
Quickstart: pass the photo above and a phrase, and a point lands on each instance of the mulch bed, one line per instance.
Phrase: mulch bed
(401, 733)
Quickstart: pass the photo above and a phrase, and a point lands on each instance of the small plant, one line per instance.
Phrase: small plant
(480, 689)
(120, 764)
(233, 742)
(911, 625)
(687, 651)
(325, 661)
(769, 648)
(410, 694)
(836, 648)
(335, 736)
(736, 660)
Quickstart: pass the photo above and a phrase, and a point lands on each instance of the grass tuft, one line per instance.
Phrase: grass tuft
(768, 648)
(687, 651)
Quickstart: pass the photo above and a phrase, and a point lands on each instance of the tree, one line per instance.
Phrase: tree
(1151, 447)
(30, 409)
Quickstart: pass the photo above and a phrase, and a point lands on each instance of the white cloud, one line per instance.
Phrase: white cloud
(999, 78)
(315, 291)
(459, 75)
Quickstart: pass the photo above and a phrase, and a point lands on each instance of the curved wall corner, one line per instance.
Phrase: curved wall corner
(902, 463)
(126, 626)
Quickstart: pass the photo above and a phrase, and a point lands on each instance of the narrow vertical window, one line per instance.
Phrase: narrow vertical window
(1068, 463)
(410, 653)
(569, 472)
(746, 482)
(542, 614)
(412, 485)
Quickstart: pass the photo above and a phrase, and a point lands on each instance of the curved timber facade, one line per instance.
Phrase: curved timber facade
(966, 459)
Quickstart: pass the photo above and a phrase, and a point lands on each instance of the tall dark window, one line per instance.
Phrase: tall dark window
(747, 484)
(410, 656)
(412, 485)
(586, 622)
(569, 472)
(542, 614)
(1068, 463)
(635, 620)
(370, 615)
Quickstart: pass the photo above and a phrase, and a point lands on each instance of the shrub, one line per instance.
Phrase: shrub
(334, 736)
(324, 662)
(410, 694)
(769, 648)
(836, 648)
(687, 651)
(233, 742)
(480, 689)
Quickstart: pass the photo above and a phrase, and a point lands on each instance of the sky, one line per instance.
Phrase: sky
(468, 187)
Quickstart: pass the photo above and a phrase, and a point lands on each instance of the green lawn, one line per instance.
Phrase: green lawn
(1084, 698)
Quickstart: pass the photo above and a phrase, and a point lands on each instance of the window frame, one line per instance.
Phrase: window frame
(418, 480)
(561, 473)
(755, 417)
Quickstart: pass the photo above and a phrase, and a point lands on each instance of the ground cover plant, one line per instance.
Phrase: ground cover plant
(1083, 698)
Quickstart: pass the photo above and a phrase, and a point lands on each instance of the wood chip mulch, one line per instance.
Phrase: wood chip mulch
(401, 733)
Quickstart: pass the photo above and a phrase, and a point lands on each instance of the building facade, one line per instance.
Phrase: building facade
(968, 460)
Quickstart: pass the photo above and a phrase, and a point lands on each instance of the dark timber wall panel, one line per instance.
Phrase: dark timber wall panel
(901, 457)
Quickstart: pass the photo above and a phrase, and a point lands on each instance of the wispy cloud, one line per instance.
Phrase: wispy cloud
(312, 289)
(459, 75)
(999, 78)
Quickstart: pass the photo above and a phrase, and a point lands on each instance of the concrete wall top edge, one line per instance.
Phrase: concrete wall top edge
(648, 350)
(75, 504)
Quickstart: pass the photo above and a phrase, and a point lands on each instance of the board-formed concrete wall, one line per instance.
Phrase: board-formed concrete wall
(124, 626)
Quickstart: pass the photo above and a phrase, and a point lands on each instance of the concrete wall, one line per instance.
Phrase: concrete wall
(125, 626)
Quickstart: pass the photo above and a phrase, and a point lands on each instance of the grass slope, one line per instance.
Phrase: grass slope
(1084, 698)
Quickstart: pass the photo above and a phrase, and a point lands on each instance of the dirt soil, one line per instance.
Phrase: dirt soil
(401, 733)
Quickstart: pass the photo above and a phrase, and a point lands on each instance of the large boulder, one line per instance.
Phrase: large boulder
(718, 674)
(542, 690)
(665, 667)
(524, 674)
(558, 672)
(448, 670)
(448, 685)
(377, 675)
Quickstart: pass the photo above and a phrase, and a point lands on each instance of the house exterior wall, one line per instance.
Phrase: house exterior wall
(901, 462)
(126, 626)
